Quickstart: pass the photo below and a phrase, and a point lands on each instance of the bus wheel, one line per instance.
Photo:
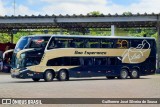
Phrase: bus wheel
(63, 75)
(36, 79)
(110, 77)
(48, 76)
(123, 74)
(134, 74)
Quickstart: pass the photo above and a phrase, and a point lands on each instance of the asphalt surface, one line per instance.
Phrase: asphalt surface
(99, 87)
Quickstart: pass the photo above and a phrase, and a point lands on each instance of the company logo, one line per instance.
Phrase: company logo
(20, 101)
(6, 101)
(135, 55)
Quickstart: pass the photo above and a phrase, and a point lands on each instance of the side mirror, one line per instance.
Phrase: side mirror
(11, 50)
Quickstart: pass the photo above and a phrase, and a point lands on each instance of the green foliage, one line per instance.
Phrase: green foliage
(4, 38)
(95, 13)
(19, 35)
(127, 13)
(99, 32)
(141, 32)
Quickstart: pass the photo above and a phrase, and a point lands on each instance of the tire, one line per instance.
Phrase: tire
(134, 74)
(110, 77)
(123, 74)
(35, 79)
(48, 76)
(63, 75)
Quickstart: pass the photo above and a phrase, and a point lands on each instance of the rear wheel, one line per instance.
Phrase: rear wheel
(63, 75)
(123, 74)
(110, 77)
(36, 79)
(48, 76)
(134, 74)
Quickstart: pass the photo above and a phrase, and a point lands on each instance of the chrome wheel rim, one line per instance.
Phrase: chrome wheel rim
(124, 74)
(63, 75)
(134, 73)
(49, 76)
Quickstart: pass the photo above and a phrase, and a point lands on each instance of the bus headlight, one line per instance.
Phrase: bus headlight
(23, 55)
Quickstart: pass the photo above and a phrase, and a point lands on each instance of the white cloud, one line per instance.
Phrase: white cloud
(24, 10)
(85, 2)
(20, 10)
(79, 7)
(32, 2)
(104, 6)
(148, 6)
(2, 9)
(74, 7)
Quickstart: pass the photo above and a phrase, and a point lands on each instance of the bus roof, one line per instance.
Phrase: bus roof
(116, 37)
(39, 35)
(89, 36)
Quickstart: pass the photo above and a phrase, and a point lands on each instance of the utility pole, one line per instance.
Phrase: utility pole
(14, 7)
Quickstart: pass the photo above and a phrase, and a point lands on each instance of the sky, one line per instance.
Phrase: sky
(57, 7)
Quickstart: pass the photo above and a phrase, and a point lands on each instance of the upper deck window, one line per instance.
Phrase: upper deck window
(38, 42)
(105, 43)
(92, 43)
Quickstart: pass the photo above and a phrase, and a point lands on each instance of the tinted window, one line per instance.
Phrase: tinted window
(112, 61)
(88, 61)
(86, 43)
(38, 42)
(107, 43)
(21, 43)
(51, 44)
(75, 61)
(100, 61)
(64, 61)
(62, 43)
(77, 43)
(30, 61)
(92, 43)
(55, 62)
(72, 44)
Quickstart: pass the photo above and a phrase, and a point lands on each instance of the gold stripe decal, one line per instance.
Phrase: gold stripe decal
(132, 55)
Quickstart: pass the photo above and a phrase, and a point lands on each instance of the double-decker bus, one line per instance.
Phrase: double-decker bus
(87, 56)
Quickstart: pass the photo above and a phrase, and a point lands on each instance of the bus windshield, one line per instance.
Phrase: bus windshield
(21, 43)
(37, 42)
(31, 42)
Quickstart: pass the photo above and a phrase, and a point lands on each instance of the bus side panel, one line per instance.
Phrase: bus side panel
(94, 71)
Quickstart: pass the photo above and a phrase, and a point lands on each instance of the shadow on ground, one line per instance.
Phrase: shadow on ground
(71, 80)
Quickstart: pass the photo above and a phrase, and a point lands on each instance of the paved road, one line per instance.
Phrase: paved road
(146, 87)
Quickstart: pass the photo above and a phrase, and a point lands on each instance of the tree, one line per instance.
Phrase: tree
(127, 13)
(95, 13)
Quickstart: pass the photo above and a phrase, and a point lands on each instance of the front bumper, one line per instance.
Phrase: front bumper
(25, 73)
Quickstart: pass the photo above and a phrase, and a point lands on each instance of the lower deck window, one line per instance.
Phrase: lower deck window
(82, 61)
